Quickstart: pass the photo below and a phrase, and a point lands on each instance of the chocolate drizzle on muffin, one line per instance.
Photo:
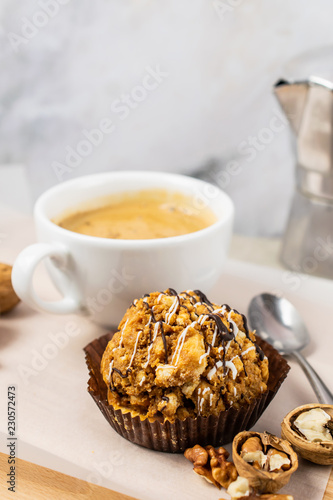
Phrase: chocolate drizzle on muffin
(180, 355)
(164, 342)
(203, 298)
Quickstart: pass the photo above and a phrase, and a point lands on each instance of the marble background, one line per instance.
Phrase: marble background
(181, 86)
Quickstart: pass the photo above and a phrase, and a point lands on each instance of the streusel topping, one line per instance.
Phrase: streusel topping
(178, 355)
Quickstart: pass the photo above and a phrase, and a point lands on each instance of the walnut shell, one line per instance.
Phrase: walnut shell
(8, 298)
(318, 452)
(261, 480)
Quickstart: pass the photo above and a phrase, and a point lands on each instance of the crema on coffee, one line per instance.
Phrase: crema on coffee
(138, 215)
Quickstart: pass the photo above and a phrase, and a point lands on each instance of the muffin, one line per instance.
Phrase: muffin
(182, 370)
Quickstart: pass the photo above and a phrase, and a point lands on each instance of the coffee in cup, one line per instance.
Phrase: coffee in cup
(98, 276)
(138, 215)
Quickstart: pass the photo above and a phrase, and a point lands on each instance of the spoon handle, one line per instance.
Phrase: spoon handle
(322, 392)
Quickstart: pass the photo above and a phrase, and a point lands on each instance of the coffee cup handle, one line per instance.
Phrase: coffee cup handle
(23, 272)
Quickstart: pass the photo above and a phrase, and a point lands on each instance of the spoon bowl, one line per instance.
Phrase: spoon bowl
(278, 322)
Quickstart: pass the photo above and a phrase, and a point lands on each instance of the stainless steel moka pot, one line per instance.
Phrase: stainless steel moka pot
(308, 239)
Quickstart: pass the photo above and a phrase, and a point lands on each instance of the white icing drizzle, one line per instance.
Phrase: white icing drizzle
(142, 380)
(220, 349)
(110, 370)
(235, 391)
(145, 299)
(214, 336)
(221, 310)
(203, 356)
(230, 364)
(156, 328)
(121, 337)
(199, 393)
(202, 398)
(164, 366)
(159, 297)
(252, 348)
(180, 343)
(227, 346)
(211, 373)
(202, 319)
(172, 310)
(218, 311)
(201, 404)
(135, 348)
(236, 329)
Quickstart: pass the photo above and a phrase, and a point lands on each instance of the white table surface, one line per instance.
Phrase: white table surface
(72, 454)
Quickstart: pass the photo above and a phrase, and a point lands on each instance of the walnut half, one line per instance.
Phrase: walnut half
(212, 464)
(309, 429)
(265, 460)
(241, 490)
(8, 297)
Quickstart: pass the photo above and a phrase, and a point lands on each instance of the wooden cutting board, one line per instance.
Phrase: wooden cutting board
(329, 488)
(39, 483)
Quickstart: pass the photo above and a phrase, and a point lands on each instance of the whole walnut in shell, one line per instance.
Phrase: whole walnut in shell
(8, 298)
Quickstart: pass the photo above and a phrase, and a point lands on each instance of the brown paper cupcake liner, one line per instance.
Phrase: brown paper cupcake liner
(176, 437)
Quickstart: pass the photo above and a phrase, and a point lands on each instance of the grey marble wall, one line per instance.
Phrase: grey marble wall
(89, 86)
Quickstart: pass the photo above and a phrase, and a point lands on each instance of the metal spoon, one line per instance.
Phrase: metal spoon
(277, 321)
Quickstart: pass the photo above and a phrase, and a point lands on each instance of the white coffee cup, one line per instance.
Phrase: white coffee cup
(100, 277)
